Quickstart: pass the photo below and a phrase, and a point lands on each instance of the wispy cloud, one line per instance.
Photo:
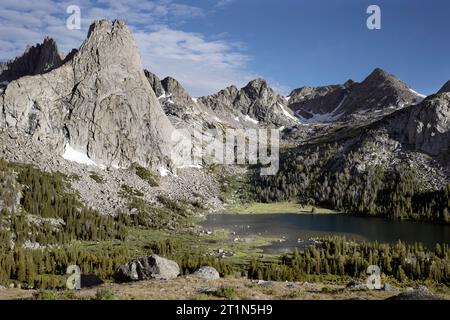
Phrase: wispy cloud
(26, 20)
(202, 66)
(202, 63)
(222, 3)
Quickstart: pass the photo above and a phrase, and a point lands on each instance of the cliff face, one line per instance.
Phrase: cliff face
(100, 102)
(426, 126)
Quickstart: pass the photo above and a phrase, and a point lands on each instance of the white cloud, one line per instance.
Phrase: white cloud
(222, 3)
(279, 88)
(28, 21)
(203, 64)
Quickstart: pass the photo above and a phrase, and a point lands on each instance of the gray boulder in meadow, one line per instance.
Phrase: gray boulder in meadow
(208, 273)
(148, 267)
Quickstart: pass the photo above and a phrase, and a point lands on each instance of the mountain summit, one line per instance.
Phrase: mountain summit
(445, 88)
(99, 103)
(380, 93)
(35, 60)
(256, 103)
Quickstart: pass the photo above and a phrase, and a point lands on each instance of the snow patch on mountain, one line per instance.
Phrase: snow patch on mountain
(421, 96)
(195, 166)
(249, 119)
(73, 155)
(321, 118)
(164, 96)
(286, 113)
(418, 94)
(164, 172)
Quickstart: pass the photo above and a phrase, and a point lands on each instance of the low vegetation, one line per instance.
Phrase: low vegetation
(147, 175)
(39, 208)
(341, 257)
(278, 207)
(97, 178)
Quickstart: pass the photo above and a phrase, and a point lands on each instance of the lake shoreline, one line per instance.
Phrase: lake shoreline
(277, 208)
(295, 229)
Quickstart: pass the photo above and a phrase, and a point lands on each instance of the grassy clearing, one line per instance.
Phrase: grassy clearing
(244, 250)
(278, 207)
(237, 252)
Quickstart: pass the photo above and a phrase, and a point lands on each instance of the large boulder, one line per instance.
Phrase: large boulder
(148, 267)
(355, 285)
(390, 288)
(208, 273)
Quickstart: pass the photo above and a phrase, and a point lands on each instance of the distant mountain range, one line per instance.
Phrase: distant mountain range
(99, 101)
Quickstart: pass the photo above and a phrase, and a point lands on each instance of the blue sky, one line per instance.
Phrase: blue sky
(209, 44)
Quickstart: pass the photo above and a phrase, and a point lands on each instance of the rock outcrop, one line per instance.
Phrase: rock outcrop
(253, 105)
(422, 293)
(148, 267)
(37, 59)
(307, 102)
(426, 126)
(183, 111)
(208, 273)
(445, 88)
(155, 83)
(100, 102)
(378, 91)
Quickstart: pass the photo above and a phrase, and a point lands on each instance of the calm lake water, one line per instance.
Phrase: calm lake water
(299, 230)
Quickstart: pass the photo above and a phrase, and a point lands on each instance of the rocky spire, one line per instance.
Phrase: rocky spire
(445, 88)
(37, 59)
(100, 102)
(155, 83)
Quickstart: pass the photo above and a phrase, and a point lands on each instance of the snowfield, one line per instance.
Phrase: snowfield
(286, 113)
(249, 119)
(73, 155)
(321, 118)
(164, 172)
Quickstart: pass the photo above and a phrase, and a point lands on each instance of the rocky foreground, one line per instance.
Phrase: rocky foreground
(156, 278)
(196, 288)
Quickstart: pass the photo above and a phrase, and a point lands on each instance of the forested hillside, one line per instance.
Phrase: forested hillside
(325, 175)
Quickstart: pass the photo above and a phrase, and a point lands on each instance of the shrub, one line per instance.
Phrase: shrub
(149, 176)
(228, 293)
(94, 176)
